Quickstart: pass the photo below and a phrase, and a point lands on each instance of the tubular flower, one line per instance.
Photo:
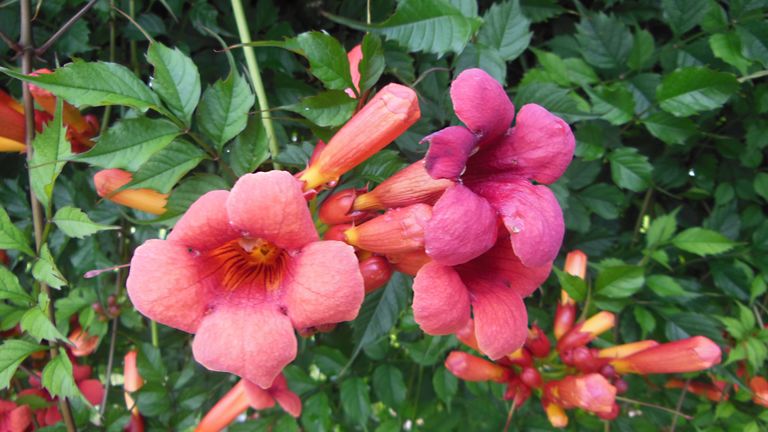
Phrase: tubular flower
(619, 351)
(587, 331)
(496, 165)
(537, 342)
(591, 392)
(565, 314)
(555, 414)
(385, 117)
(337, 208)
(354, 56)
(132, 380)
(108, 181)
(712, 391)
(245, 394)
(471, 368)
(84, 344)
(397, 231)
(685, 355)
(14, 418)
(11, 124)
(759, 387)
(248, 269)
(492, 286)
(411, 185)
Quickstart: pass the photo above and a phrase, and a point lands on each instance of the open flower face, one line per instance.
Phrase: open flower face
(241, 270)
(496, 165)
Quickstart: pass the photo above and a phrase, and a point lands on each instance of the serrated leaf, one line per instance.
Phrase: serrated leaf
(483, 57)
(661, 229)
(573, 285)
(373, 62)
(329, 108)
(223, 111)
(175, 79)
(613, 103)
(506, 29)
(12, 353)
(642, 50)
(683, 15)
(603, 199)
(619, 281)
(670, 129)
(604, 41)
(75, 223)
(10, 288)
(727, 47)
(130, 142)
(251, 148)
(645, 319)
(164, 169)
(94, 84)
(760, 184)
(379, 312)
(754, 41)
(559, 101)
(36, 323)
(445, 384)
(51, 150)
(541, 10)
(691, 90)
(355, 400)
(57, 377)
(191, 189)
(45, 270)
(389, 386)
(630, 170)
(11, 237)
(327, 59)
(702, 242)
(665, 286)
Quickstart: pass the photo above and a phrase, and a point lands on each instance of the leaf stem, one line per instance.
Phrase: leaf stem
(155, 336)
(755, 75)
(253, 71)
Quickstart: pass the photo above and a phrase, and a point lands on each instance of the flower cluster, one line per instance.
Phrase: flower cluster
(575, 375)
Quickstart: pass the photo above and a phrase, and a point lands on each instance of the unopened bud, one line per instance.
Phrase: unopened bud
(471, 368)
(376, 273)
(337, 208)
(395, 232)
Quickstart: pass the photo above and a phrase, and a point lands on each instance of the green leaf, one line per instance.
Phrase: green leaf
(251, 148)
(373, 62)
(630, 170)
(75, 223)
(541, 10)
(95, 84)
(191, 189)
(51, 150)
(559, 101)
(613, 103)
(12, 353)
(355, 400)
(665, 286)
(683, 15)
(661, 229)
(153, 399)
(389, 386)
(573, 285)
(506, 29)
(149, 361)
(727, 47)
(603, 199)
(645, 319)
(754, 41)
(605, 42)
(223, 111)
(329, 108)
(130, 142)
(380, 312)
(45, 270)
(327, 59)
(175, 79)
(691, 90)
(57, 377)
(10, 288)
(642, 50)
(36, 323)
(619, 281)
(702, 242)
(432, 26)
(12, 237)
(483, 57)
(760, 184)
(670, 129)
(445, 384)
(164, 169)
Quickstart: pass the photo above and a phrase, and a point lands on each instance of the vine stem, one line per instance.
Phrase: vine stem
(27, 59)
(650, 405)
(253, 71)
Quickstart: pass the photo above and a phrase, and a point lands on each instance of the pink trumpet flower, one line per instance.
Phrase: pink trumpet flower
(248, 269)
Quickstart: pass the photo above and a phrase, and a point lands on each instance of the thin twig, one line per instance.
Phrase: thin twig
(679, 405)
(122, 251)
(63, 29)
(8, 41)
(427, 72)
(643, 212)
(650, 405)
(510, 414)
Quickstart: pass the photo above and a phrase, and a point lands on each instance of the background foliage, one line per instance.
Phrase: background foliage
(667, 194)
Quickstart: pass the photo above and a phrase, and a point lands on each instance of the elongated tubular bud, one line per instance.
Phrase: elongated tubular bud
(759, 387)
(587, 331)
(471, 368)
(620, 351)
(591, 392)
(337, 208)
(467, 335)
(555, 414)
(396, 231)
(537, 342)
(565, 315)
(686, 355)
(132, 380)
(234, 403)
(385, 117)
(85, 344)
(147, 200)
(411, 185)
(376, 272)
(576, 264)
(711, 391)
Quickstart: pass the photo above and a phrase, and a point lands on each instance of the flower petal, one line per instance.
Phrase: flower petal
(254, 342)
(440, 300)
(271, 205)
(501, 321)
(463, 226)
(205, 225)
(92, 390)
(168, 284)
(531, 214)
(258, 398)
(482, 104)
(448, 151)
(325, 285)
(287, 399)
(500, 264)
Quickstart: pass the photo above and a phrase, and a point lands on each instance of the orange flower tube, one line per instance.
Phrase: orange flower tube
(11, 124)
(85, 344)
(385, 117)
(591, 392)
(397, 231)
(110, 180)
(685, 355)
(759, 387)
(471, 368)
(713, 392)
(132, 380)
(587, 331)
(565, 315)
(234, 403)
(555, 414)
(625, 350)
(411, 185)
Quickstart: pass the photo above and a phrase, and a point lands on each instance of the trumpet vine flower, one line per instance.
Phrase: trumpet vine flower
(109, 181)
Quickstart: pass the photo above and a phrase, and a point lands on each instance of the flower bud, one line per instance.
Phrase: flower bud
(396, 231)
(234, 403)
(619, 351)
(337, 208)
(12, 124)
(759, 387)
(471, 368)
(336, 232)
(591, 392)
(132, 380)
(376, 272)
(385, 117)
(712, 391)
(555, 414)
(354, 56)
(84, 344)
(537, 342)
(531, 377)
(108, 181)
(685, 355)
(411, 185)
(612, 414)
(409, 262)
(587, 331)
(521, 357)
(517, 392)
(565, 315)
(576, 264)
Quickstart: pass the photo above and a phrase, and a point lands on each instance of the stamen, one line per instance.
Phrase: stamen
(246, 261)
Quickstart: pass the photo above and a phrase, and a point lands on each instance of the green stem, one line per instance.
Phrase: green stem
(755, 75)
(133, 47)
(253, 71)
(155, 336)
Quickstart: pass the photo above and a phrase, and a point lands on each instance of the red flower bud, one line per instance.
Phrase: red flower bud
(132, 380)
(12, 124)
(590, 392)
(517, 392)
(587, 331)
(620, 351)
(337, 208)
(521, 357)
(471, 368)
(376, 272)
(531, 377)
(336, 232)
(576, 264)
(108, 181)
(396, 231)
(565, 315)
(759, 387)
(612, 414)
(411, 185)
(537, 342)
(84, 344)
(685, 355)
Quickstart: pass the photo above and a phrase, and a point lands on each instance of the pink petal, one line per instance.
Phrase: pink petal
(271, 205)
(167, 283)
(287, 399)
(531, 214)
(354, 56)
(482, 104)
(539, 147)
(501, 321)
(440, 300)
(324, 286)
(205, 225)
(448, 151)
(258, 398)
(254, 342)
(500, 264)
(92, 389)
(463, 226)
